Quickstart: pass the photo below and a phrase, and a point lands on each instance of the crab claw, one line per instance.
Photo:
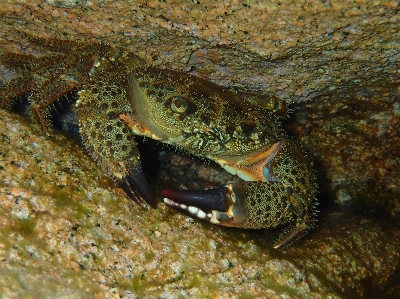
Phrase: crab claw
(225, 206)
(135, 180)
(108, 138)
(252, 204)
(208, 205)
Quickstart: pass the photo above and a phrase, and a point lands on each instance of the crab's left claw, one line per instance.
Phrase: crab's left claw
(245, 205)
(287, 195)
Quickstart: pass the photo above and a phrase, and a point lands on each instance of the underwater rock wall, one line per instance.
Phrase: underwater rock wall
(294, 51)
(337, 62)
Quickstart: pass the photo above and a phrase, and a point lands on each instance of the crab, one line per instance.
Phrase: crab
(121, 97)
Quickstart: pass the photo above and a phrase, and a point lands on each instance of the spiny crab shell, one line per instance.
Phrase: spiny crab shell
(121, 97)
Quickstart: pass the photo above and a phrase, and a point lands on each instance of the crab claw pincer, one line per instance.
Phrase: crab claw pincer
(224, 206)
(135, 182)
(251, 204)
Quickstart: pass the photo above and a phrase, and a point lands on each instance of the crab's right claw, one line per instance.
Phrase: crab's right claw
(106, 136)
(117, 155)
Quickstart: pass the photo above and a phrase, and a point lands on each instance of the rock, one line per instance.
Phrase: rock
(67, 231)
(64, 3)
(295, 52)
(355, 146)
(342, 57)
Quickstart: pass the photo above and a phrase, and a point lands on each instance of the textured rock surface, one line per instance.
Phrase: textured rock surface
(61, 217)
(66, 231)
(355, 144)
(328, 52)
(295, 52)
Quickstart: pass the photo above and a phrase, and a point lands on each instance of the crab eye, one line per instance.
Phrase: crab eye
(179, 104)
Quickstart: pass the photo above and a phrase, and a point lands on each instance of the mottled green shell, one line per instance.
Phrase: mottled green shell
(120, 97)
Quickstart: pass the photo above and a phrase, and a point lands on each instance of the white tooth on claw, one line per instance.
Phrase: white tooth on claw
(168, 201)
(213, 218)
(200, 214)
(193, 210)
